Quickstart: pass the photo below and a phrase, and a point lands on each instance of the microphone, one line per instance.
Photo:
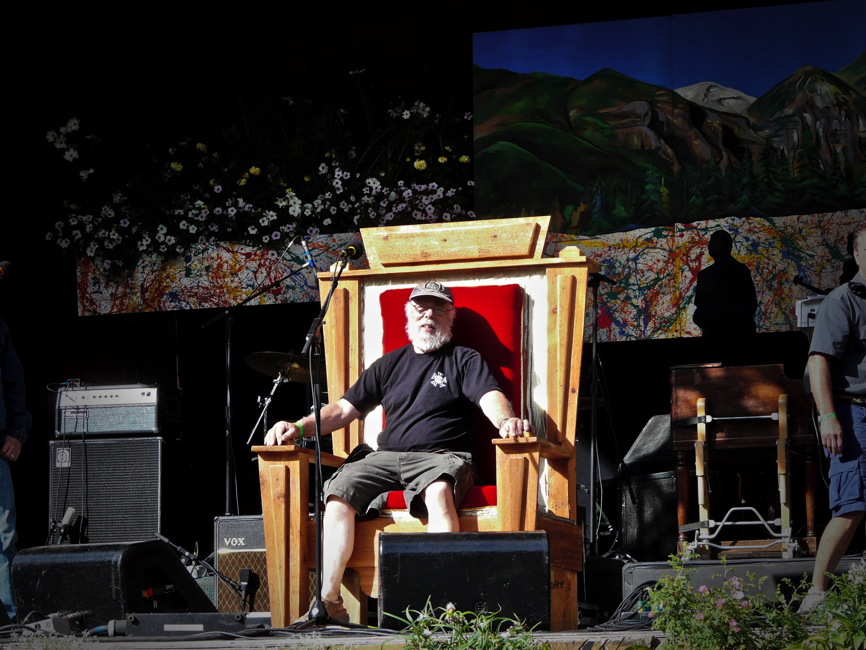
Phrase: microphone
(310, 261)
(798, 280)
(4, 268)
(352, 251)
(602, 278)
(65, 523)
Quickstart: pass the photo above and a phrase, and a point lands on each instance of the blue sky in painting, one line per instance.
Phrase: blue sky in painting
(750, 50)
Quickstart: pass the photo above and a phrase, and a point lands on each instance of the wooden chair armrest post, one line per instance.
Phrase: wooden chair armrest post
(284, 479)
(517, 462)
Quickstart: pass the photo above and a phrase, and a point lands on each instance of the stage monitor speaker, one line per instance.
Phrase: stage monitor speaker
(114, 485)
(239, 544)
(771, 572)
(503, 573)
(93, 584)
(649, 524)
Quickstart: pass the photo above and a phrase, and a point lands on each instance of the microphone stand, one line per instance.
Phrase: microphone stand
(318, 612)
(196, 560)
(228, 317)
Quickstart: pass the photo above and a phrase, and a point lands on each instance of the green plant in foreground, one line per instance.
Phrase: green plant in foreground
(840, 619)
(730, 613)
(447, 628)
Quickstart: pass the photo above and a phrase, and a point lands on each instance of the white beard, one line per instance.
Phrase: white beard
(426, 341)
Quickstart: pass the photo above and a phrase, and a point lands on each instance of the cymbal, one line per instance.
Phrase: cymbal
(292, 367)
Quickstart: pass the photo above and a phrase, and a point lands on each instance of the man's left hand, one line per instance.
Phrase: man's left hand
(515, 428)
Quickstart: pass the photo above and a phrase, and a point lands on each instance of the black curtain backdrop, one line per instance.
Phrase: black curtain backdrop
(175, 70)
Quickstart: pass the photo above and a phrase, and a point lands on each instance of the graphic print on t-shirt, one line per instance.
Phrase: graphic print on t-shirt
(439, 380)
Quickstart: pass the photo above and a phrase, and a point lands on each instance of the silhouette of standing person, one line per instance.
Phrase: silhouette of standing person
(725, 298)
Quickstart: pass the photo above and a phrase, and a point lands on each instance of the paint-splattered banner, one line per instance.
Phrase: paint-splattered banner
(655, 270)
(221, 275)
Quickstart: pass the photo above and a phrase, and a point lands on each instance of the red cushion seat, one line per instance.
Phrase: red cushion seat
(489, 320)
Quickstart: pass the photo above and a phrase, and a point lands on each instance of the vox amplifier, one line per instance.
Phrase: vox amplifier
(239, 551)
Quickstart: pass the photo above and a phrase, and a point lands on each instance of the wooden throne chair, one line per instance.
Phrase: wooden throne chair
(525, 315)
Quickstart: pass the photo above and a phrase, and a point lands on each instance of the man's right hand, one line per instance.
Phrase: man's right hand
(281, 433)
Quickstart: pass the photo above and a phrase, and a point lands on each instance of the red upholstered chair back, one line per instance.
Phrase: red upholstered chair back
(490, 321)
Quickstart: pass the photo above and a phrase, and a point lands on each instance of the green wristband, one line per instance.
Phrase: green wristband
(300, 428)
(826, 416)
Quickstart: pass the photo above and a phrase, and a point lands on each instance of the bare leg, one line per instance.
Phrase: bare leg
(337, 545)
(834, 542)
(441, 511)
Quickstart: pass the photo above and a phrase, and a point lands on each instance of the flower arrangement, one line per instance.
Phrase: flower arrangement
(731, 614)
(329, 171)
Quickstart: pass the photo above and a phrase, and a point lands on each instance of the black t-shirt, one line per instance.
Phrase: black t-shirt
(429, 399)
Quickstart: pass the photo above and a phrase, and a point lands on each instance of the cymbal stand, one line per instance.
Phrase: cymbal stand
(227, 316)
(266, 402)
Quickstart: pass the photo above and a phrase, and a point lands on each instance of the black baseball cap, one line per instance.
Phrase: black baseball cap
(433, 289)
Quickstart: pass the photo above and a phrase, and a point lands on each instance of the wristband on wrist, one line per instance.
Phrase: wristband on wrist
(503, 421)
(300, 429)
(826, 416)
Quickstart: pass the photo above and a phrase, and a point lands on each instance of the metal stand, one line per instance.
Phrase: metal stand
(227, 316)
(595, 279)
(312, 348)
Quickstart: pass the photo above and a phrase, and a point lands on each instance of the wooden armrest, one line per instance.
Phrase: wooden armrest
(547, 449)
(290, 451)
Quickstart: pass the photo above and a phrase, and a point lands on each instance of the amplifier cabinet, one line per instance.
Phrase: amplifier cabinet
(133, 409)
(239, 543)
(114, 485)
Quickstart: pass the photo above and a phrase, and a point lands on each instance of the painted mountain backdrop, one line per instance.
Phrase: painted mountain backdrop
(610, 153)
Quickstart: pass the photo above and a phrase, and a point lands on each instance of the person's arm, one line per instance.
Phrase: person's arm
(334, 416)
(822, 391)
(497, 409)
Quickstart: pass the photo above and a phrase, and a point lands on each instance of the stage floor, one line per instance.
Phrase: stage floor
(223, 630)
(325, 638)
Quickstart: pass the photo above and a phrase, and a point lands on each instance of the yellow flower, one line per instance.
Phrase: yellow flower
(201, 147)
(443, 159)
(176, 166)
(243, 181)
(255, 171)
(420, 165)
(464, 159)
(307, 178)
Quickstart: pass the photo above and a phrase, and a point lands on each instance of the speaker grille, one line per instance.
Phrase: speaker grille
(113, 484)
(230, 565)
